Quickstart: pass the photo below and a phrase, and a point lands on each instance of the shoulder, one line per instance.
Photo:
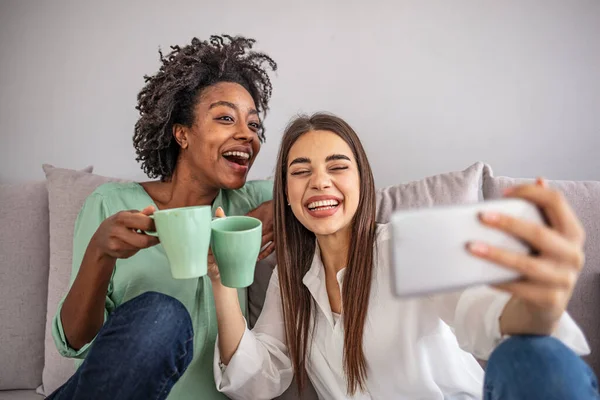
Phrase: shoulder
(260, 191)
(251, 195)
(116, 189)
(118, 196)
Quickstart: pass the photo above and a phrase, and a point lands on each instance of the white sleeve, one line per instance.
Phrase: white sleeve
(474, 315)
(261, 367)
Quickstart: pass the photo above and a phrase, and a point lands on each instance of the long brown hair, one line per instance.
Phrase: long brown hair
(295, 248)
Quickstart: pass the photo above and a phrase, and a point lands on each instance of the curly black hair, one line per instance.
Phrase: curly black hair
(169, 96)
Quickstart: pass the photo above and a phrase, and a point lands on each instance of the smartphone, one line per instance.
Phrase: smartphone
(429, 253)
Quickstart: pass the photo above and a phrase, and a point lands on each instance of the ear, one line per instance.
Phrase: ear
(180, 133)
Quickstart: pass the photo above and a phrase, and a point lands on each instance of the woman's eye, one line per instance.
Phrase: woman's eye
(301, 172)
(339, 168)
(226, 118)
(255, 126)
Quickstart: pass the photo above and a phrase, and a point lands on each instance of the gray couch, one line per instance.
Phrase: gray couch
(36, 228)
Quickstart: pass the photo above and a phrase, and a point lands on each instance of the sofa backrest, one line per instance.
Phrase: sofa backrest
(23, 283)
(26, 302)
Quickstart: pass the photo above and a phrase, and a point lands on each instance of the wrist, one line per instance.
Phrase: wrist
(98, 257)
(519, 319)
(219, 288)
(225, 297)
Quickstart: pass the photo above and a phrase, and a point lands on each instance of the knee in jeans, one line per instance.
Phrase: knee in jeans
(524, 365)
(159, 318)
(540, 350)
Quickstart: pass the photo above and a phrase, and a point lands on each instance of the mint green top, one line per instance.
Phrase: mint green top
(148, 270)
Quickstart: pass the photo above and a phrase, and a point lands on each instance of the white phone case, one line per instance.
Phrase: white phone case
(429, 246)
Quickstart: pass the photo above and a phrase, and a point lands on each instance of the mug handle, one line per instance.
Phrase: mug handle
(149, 233)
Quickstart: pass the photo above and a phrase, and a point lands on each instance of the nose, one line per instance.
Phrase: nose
(320, 180)
(244, 134)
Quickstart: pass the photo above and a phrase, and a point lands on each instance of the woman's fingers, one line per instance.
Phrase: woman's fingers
(211, 257)
(536, 270)
(267, 251)
(269, 237)
(149, 210)
(266, 239)
(138, 240)
(119, 248)
(136, 220)
(541, 238)
(219, 213)
(560, 214)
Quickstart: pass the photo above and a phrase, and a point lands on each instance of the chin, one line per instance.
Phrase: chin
(233, 183)
(323, 228)
(324, 232)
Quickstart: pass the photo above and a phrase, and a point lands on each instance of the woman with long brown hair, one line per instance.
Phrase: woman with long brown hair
(330, 315)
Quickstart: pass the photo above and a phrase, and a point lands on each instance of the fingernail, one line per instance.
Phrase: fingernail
(490, 216)
(540, 181)
(478, 248)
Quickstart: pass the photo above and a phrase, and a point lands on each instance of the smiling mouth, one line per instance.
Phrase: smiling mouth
(238, 157)
(322, 205)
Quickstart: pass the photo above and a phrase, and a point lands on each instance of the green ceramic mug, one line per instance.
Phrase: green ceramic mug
(235, 244)
(185, 233)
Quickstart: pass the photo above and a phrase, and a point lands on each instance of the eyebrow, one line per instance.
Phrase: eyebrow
(332, 157)
(230, 105)
(335, 157)
(300, 160)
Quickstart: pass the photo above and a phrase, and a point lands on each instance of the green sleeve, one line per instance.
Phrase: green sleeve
(260, 191)
(90, 217)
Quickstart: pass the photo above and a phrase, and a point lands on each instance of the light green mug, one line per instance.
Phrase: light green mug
(235, 244)
(185, 233)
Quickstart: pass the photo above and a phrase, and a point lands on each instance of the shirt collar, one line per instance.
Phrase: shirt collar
(314, 280)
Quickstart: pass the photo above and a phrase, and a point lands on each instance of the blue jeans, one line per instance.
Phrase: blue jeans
(147, 343)
(538, 367)
(141, 351)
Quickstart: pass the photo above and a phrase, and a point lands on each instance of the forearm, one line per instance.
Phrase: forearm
(230, 320)
(82, 313)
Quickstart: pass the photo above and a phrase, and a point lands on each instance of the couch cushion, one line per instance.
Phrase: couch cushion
(458, 187)
(67, 191)
(23, 283)
(443, 189)
(20, 395)
(584, 197)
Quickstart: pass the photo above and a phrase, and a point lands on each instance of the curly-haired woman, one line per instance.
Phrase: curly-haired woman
(137, 332)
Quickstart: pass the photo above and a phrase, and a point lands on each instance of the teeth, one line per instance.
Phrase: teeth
(239, 154)
(323, 203)
(322, 208)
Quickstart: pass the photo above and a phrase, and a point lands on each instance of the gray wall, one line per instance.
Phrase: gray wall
(430, 86)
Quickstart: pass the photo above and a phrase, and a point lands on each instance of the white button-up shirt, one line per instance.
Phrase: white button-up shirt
(414, 348)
